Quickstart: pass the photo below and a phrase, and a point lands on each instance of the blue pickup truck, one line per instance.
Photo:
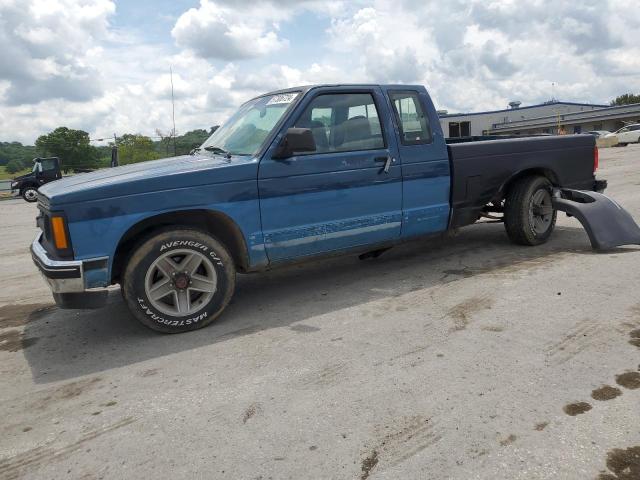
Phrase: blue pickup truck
(293, 175)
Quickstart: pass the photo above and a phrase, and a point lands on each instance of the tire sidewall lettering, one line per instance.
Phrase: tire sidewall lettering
(158, 318)
(183, 243)
(192, 244)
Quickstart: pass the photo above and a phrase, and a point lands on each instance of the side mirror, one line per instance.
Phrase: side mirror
(296, 140)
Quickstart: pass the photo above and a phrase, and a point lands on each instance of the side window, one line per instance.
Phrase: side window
(48, 165)
(343, 122)
(411, 117)
(321, 115)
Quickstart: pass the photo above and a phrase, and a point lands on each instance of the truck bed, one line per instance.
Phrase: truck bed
(482, 169)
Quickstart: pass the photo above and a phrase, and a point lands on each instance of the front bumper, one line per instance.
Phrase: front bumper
(68, 279)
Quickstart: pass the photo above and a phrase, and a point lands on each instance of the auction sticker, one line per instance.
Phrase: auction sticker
(282, 98)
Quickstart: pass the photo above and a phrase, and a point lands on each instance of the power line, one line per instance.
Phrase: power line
(110, 138)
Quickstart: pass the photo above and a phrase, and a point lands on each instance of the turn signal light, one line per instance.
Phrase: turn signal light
(59, 233)
(596, 159)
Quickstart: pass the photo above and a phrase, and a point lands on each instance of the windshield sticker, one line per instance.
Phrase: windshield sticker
(282, 98)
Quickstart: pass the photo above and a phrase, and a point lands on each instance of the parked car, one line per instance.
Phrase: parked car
(598, 133)
(627, 134)
(297, 174)
(44, 170)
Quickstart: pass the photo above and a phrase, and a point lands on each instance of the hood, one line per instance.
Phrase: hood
(26, 175)
(165, 174)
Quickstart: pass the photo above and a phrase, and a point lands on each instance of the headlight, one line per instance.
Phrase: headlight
(14, 185)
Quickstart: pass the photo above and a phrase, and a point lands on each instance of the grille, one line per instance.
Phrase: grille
(43, 221)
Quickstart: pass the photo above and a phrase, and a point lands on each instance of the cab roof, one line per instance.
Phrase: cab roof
(306, 88)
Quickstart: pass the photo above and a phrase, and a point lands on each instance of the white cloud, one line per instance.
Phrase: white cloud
(382, 44)
(44, 46)
(223, 32)
(478, 54)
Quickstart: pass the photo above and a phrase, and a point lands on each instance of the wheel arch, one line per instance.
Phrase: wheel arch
(28, 184)
(214, 222)
(529, 172)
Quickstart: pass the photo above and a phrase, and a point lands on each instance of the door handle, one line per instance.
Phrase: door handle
(388, 160)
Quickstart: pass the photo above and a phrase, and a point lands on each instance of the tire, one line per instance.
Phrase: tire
(30, 194)
(529, 216)
(171, 262)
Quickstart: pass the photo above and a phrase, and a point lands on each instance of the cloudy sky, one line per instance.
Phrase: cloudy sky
(103, 65)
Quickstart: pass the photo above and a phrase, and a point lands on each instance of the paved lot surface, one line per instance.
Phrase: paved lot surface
(444, 359)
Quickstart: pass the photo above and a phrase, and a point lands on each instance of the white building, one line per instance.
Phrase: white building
(551, 117)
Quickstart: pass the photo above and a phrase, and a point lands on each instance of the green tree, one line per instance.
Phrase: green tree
(16, 151)
(135, 148)
(190, 140)
(70, 146)
(13, 166)
(184, 143)
(626, 99)
(164, 145)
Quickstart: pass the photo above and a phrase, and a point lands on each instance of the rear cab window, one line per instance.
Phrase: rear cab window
(343, 122)
(411, 117)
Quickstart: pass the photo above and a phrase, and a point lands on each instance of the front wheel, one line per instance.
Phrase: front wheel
(179, 280)
(30, 194)
(529, 216)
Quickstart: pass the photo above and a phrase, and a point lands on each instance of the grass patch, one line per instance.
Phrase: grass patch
(4, 175)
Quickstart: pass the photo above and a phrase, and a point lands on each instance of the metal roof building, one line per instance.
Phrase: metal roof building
(551, 117)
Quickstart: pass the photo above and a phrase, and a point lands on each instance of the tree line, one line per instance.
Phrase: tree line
(626, 99)
(76, 153)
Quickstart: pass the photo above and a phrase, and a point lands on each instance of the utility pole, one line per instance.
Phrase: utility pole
(114, 152)
(173, 111)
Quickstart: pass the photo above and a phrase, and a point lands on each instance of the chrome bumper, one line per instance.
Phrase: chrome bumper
(63, 276)
(73, 283)
(66, 276)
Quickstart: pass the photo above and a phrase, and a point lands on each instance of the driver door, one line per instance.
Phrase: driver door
(340, 196)
(48, 171)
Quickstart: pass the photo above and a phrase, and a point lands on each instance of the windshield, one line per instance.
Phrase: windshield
(247, 129)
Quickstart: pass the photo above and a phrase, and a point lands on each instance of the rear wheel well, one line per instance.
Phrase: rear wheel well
(542, 172)
(215, 223)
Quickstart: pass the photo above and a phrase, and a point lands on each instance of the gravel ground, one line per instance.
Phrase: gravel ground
(466, 358)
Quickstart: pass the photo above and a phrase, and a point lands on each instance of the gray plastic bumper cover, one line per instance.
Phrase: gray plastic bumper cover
(606, 222)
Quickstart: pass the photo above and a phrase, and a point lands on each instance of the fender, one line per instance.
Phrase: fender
(606, 222)
(29, 183)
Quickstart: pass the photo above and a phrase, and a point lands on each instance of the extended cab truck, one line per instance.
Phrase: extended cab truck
(294, 175)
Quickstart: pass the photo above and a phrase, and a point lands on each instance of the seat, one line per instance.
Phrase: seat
(353, 133)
